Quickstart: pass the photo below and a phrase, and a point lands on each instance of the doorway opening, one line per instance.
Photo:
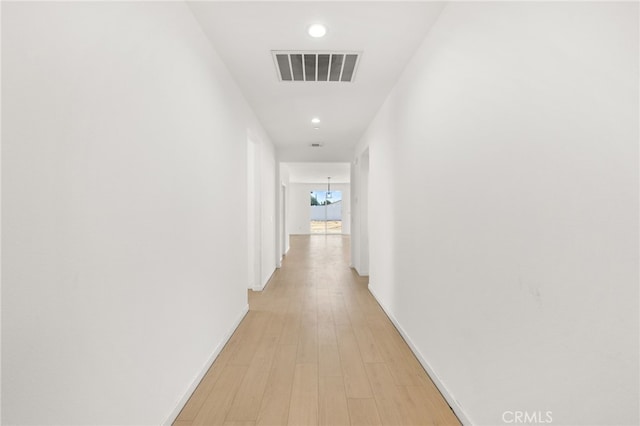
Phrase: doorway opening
(326, 212)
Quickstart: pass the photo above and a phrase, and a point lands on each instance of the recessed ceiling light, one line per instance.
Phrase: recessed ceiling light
(316, 128)
(317, 30)
(315, 120)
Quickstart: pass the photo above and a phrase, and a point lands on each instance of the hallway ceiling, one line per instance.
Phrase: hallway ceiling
(245, 33)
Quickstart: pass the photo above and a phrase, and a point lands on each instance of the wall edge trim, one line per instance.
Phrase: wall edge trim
(185, 398)
(266, 283)
(446, 393)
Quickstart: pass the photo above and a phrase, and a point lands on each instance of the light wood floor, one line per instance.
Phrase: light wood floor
(316, 349)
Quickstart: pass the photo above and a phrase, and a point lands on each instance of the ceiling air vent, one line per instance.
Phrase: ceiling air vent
(316, 66)
(316, 145)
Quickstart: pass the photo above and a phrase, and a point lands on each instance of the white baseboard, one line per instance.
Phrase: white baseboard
(363, 273)
(282, 256)
(176, 411)
(264, 284)
(453, 403)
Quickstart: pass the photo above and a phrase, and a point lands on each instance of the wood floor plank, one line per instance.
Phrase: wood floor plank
(339, 310)
(276, 323)
(291, 329)
(308, 344)
(215, 408)
(367, 344)
(324, 306)
(250, 338)
(332, 405)
(327, 333)
(329, 360)
(386, 394)
(303, 409)
(363, 412)
(355, 377)
(274, 408)
(310, 308)
(246, 403)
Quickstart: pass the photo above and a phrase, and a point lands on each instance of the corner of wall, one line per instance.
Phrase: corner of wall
(205, 368)
(448, 396)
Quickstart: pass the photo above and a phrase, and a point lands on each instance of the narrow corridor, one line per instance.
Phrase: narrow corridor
(316, 348)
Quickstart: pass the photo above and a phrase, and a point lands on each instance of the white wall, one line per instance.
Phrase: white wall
(283, 211)
(360, 213)
(254, 233)
(123, 139)
(261, 210)
(299, 209)
(504, 170)
(268, 197)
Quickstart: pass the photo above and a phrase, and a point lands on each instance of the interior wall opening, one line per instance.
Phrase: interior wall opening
(325, 212)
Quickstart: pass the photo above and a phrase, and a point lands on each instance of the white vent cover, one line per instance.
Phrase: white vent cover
(316, 66)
